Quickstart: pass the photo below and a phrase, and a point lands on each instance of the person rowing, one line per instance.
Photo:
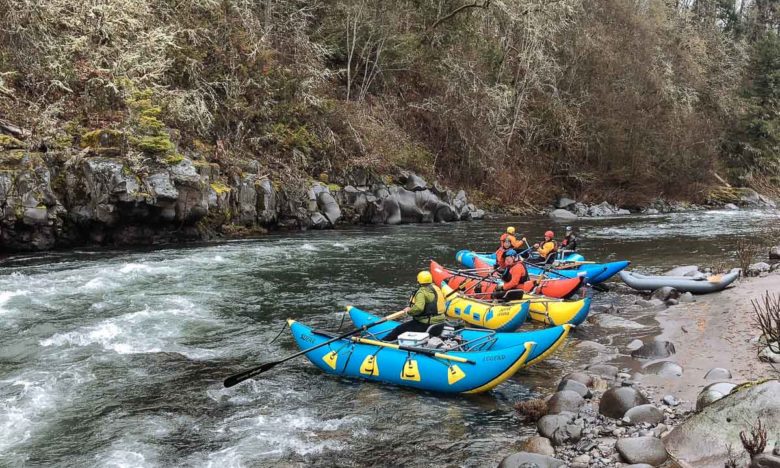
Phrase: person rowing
(519, 243)
(426, 308)
(544, 251)
(506, 245)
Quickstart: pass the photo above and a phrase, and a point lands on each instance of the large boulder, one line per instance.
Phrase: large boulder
(647, 414)
(530, 460)
(720, 423)
(574, 386)
(565, 202)
(559, 428)
(328, 207)
(565, 401)
(647, 450)
(563, 215)
(617, 400)
(756, 269)
(415, 183)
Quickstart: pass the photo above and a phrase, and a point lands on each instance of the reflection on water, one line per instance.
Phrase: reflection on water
(114, 357)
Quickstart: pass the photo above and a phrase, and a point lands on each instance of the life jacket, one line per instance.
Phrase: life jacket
(514, 276)
(500, 257)
(432, 308)
(552, 251)
(570, 242)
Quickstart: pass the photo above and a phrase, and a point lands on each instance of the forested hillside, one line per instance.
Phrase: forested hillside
(516, 100)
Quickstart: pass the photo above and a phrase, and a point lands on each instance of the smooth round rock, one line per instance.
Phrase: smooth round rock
(564, 401)
(603, 370)
(574, 386)
(537, 444)
(580, 377)
(559, 428)
(718, 373)
(634, 345)
(670, 400)
(654, 350)
(617, 400)
(664, 369)
(525, 459)
(644, 414)
(642, 450)
(712, 393)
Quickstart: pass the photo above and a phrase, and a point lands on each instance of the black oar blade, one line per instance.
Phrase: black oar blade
(238, 378)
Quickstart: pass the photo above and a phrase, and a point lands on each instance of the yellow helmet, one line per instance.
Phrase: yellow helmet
(424, 277)
(510, 230)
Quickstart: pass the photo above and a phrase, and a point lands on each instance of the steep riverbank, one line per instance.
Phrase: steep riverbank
(67, 199)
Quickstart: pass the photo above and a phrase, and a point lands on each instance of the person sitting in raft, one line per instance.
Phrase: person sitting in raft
(520, 244)
(569, 241)
(513, 276)
(506, 244)
(426, 308)
(544, 252)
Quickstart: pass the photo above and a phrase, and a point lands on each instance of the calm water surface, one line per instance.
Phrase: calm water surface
(116, 358)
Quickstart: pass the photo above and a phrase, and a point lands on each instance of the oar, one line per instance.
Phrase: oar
(597, 287)
(412, 349)
(247, 374)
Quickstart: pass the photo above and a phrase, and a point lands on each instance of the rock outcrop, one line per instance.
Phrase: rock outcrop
(720, 423)
(49, 200)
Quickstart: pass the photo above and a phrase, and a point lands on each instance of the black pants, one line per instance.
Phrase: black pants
(410, 326)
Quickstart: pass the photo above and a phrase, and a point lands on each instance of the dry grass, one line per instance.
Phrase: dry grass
(531, 410)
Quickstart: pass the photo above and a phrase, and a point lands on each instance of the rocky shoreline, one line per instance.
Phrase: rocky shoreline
(660, 401)
(568, 209)
(52, 201)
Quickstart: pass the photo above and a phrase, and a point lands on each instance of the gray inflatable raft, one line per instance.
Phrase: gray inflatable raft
(681, 283)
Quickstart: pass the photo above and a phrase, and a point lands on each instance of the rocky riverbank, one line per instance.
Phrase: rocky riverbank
(50, 200)
(681, 397)
(568, 209)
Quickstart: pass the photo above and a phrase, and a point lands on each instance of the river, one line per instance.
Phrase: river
(116, 357)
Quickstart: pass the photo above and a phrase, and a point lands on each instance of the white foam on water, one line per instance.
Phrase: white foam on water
(6, 296)
(265, 436)
(309, 247)
(146, 331)
(27, 400)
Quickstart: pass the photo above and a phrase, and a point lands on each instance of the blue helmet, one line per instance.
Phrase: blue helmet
(510, 253)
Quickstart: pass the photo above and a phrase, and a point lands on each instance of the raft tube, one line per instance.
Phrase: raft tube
(562, 288)
(681, 283)
(547, 340)
(594, 272)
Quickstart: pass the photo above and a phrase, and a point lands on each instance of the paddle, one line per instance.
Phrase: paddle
(247, 374)
(597, 287)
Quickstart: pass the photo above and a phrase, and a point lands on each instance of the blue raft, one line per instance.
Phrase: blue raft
(594, 272)
(484, 360)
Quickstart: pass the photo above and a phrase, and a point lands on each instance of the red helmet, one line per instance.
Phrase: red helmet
(549, 234)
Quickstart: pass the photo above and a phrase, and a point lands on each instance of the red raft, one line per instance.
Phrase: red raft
(562, 288)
